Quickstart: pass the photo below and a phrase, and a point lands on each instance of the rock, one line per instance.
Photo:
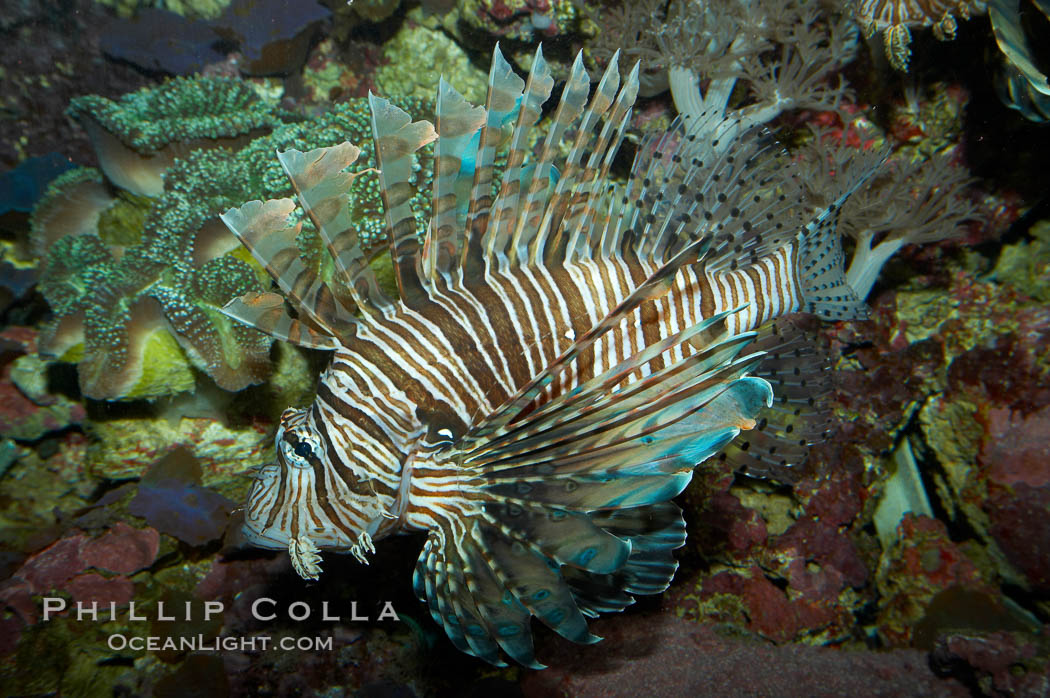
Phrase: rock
(123, 549)
(665, 656)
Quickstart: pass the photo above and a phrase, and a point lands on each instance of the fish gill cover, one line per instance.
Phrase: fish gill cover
(529, 345)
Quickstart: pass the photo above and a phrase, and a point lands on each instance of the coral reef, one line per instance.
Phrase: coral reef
(139, 137)
(995, 663)
(271, 37)
(520, 20)
(411, 56)
(136, 284)
(909, 201)
(945, 574)
(47, 58)
(28, 410)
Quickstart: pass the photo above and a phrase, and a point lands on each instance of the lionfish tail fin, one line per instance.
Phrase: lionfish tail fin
(822, 263)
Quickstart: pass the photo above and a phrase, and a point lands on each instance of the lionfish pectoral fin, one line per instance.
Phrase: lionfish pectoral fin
(655, 532)
(798, 368)
(565, 506)
(306, 557)
(463, 601)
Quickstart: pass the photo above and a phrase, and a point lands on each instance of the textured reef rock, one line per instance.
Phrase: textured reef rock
(272, 37)
(49, 55)
(171, 499)
(661, 655)
(28, 410)
(923, 563)
(82, 568)
(995, 663)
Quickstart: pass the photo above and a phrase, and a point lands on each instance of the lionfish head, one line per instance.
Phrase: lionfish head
(289, 506)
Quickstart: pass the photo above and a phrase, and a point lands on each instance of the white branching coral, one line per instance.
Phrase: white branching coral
(768, 57)
(907, 202)
(739, 64)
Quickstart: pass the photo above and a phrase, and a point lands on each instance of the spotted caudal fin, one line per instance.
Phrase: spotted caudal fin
(822, 263)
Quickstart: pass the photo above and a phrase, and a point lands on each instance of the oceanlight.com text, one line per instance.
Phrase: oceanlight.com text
(199, 643)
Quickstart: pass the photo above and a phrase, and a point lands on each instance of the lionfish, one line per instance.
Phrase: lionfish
(563, 351)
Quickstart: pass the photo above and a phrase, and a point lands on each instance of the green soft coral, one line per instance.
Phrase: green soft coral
(179, 110)
(138, 137)
(137, 299)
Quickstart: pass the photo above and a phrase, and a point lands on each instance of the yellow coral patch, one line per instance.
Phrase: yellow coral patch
(242, 253)
(74, 354)
(165, 370)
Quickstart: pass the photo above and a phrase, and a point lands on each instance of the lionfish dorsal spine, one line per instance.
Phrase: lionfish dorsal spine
(538, 88)
(584, 223)
(397, 138)
(264, 228)
(266, 312)
(322, 186)
(570, 192)
(505, 90)
(529, 232)
(456, 123)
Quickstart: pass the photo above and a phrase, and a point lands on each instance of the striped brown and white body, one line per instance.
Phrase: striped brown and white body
(473, 345)
(561, 353)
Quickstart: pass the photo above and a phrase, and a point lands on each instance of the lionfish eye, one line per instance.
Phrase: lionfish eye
(303, 450)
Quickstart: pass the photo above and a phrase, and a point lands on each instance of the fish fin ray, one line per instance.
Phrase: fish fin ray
(264, 229)
(323, 188)
(798, 368)
(267, 313)
(456, 123)
(397, 138)
(501, 102)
